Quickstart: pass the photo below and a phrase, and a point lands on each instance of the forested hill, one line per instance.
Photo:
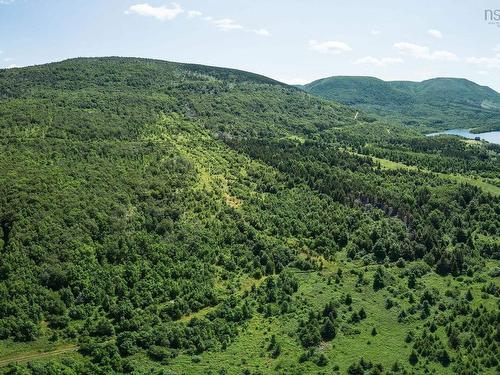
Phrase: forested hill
(438, 103)
(165, 218)
(132, 92)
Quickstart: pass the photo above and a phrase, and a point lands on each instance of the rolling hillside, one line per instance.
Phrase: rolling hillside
(439, 103)
(167, 218)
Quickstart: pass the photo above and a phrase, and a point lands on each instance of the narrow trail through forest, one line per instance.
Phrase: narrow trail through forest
(34, 355)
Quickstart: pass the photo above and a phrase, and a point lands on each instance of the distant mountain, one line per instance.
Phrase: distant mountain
(438, 103)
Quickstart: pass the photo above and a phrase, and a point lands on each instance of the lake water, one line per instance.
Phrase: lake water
(492, 137)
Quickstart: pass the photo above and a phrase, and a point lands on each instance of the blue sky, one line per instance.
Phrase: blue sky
(290, 40)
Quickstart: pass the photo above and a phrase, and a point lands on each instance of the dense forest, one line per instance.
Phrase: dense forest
(430, 105)
(166, 218)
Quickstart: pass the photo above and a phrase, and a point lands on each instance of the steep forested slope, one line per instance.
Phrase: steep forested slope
(439, 103)
(174, 218)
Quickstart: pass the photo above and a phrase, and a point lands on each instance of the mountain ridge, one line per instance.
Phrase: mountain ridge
(396, 81)
(432, 104)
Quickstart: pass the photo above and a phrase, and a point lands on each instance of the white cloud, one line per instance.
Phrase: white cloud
(194, 14)
(375, 32)
(485, 62)
(443, 55)
(329, 46)
(12, 66)
(8, 59)
(161, 13)
(482, 72)
(382, 61)
(294, 81)
(171, 11)
(262, 32)
(424, 52)
(227, 24)
(412, 49)
(435, 33)
(5, 2)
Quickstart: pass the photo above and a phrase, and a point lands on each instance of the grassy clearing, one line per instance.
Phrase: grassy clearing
(490, 188)
(249, 350)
